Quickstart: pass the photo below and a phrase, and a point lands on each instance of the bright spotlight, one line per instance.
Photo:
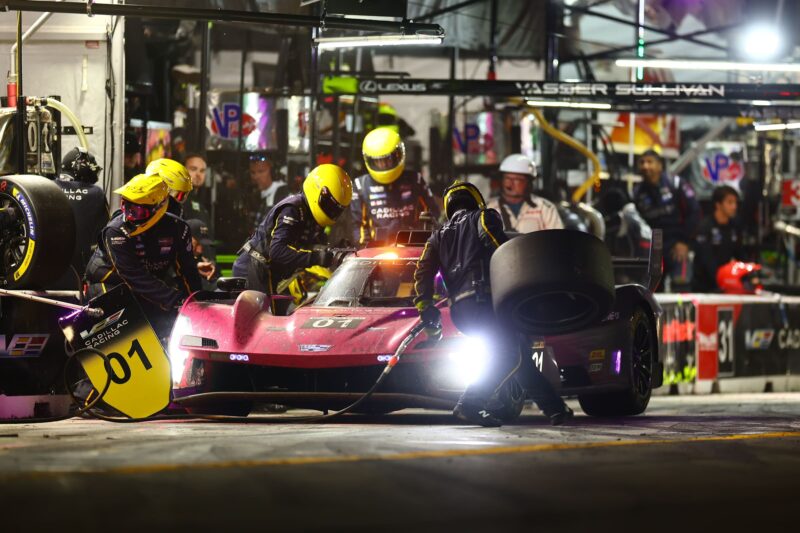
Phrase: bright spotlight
(469, 360)
(761, 41)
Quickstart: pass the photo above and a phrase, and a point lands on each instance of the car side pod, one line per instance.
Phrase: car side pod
(248, 304)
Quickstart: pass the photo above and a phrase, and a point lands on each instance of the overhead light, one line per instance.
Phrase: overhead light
(688, 64)
(761, 41)
(332, 43)
(571, 105)
(761, 102)
(777, 127)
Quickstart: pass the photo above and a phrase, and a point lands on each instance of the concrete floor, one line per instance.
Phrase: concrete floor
(691, 463)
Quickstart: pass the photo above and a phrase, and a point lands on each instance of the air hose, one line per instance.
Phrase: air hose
(557, 134)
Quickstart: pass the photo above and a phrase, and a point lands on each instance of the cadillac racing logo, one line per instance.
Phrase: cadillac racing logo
(103, 324)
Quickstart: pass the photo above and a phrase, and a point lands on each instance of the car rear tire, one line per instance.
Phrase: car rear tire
(634, 400)
(37, 247)
(552, 282)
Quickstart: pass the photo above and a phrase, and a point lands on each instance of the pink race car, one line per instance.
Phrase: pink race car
(228, 350)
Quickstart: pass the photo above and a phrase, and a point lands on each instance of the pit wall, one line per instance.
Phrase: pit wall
(719, 343)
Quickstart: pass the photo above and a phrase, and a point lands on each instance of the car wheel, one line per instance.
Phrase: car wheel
(552, 282)
(37, 232)
(226, 377)
(512, 395)
(634, 400)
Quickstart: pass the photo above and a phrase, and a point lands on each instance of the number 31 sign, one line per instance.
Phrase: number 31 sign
(137, 365)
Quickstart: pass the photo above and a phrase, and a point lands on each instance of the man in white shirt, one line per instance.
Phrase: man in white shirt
(272, 190)
(521, 210)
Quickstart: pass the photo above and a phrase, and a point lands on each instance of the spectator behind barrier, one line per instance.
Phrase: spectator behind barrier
(197, 204)
(271, 190)
(718, 240)
(668, 203)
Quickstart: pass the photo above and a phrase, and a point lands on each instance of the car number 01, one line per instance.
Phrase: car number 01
(136, 349)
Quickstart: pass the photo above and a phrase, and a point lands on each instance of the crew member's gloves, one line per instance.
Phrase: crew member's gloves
(431, 318)
(322, 256)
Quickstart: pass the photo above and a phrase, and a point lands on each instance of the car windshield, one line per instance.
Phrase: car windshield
(372, 283)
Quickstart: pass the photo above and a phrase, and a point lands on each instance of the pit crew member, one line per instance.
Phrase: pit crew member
(196, 206)
(388, 198)
(718, 240)
(461, 250)
(668, 203)
(291, 236)
(203, 252)
(148, 249)
(79, 174)
(177, 179)
(520, 209)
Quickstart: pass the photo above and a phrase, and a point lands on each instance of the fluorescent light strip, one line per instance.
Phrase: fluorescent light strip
(571, 105)
(777, 127)
(687, 64)
(332, 43)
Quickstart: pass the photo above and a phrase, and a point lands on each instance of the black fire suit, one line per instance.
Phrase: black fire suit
(380, 211)
(90, 208)
(715, 245)
(149, 263)
(281, 244)
(461, 250)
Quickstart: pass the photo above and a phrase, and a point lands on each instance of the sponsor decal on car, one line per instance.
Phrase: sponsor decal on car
(315, 347)
(789, 338)
(24, 345)
(758, 339)
(595, 367)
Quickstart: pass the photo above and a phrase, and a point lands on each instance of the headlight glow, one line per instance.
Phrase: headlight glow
(469, 360)
(177, 355)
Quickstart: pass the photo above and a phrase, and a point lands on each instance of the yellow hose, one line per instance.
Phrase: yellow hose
(594, 179)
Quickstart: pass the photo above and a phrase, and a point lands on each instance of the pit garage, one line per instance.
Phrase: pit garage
(228, 297)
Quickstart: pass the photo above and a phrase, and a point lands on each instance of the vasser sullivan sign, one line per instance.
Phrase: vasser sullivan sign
(681, 90)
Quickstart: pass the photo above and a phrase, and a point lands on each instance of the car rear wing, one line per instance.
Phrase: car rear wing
(653, 263)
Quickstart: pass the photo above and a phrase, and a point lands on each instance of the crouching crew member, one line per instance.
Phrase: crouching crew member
(291, 236)
(148, 249)
(79, 174)
(388, 198)
(461, 250)
(177, 179)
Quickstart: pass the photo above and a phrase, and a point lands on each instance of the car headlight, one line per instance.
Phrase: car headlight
(468, 359)
(177, 355)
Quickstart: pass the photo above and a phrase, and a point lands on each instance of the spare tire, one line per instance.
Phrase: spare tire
(552, 282)
(37, 232)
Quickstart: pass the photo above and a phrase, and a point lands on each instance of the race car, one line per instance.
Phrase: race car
(229, 349)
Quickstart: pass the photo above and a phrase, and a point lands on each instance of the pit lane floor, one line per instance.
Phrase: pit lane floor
(691, 463)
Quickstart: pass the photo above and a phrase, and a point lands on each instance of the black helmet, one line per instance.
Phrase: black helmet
(81, 165)
(462, 195)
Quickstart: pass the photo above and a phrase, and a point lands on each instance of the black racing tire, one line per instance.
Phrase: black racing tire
(36, 247)
(634, 400)
(512, 394)
(552, 282)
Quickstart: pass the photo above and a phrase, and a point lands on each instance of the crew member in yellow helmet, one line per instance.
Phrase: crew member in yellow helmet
(177, 179)
(292, 236)
(388, 198)
(143, 246)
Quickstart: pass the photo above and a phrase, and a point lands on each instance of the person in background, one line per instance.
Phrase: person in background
(272, 190)
(132, 159)
(195, 205)
(627, 234)
(388, 198)
(78, 181)
(718, 240)
(203, 251)
(521, 210)
(668, 203)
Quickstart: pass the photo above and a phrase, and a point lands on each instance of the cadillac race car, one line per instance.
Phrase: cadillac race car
(590, 337)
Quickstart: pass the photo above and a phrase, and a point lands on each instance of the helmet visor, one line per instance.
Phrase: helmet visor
(137, 213)
(180, 196)
(329, 205)
(388, 161)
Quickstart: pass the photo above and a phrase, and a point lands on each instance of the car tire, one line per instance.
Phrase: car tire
(552, 282)
(226, 377)
(37, 247)
(512, 394)
(634, 400)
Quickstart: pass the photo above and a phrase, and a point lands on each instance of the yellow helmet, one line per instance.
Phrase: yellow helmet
(144, 201)
(328, 192)
(384, 154)
(174, 175)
